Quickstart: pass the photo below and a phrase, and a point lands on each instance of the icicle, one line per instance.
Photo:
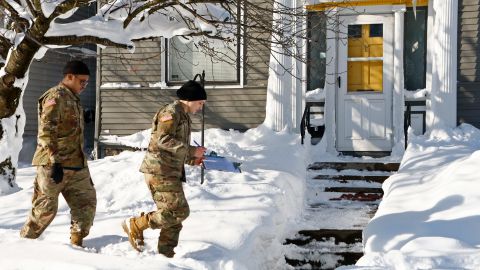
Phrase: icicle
(414, 3)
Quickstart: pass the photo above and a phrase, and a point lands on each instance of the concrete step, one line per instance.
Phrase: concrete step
(363, 166)
(344, 178)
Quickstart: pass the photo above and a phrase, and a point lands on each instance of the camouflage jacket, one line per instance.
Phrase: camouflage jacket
(60, 129)
(169, 148)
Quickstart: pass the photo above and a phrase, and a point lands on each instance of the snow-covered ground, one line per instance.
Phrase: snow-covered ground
(428, 219)
(237, 220)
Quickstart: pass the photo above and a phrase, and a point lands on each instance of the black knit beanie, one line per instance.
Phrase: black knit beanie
(76, 67)
(191, 91)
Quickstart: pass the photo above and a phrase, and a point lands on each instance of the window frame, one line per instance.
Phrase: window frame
(239, 63)
(425, 36)
(309, 65)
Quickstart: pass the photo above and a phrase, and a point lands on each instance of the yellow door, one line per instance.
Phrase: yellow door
(365, 57)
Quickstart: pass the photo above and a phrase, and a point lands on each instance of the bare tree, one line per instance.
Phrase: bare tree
(33, 26)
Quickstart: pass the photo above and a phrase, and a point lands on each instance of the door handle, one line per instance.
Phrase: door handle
(339, 81)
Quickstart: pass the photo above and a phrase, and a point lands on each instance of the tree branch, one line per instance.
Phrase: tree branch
(79, 40)
(67, 6)
(38, 7)
(14, 15)
(31, 8)
(155, 5)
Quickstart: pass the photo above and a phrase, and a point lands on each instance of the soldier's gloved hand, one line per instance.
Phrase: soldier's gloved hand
(57, 172)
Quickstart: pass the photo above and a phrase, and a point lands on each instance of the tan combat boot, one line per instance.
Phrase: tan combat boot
(76, 239)
(134, 228)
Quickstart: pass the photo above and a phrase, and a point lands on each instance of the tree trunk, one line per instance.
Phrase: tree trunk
(12, 115)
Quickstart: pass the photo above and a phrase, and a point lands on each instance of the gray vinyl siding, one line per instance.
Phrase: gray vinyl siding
(468, 95)
(143, 67)
(126, 111)
(123, 111)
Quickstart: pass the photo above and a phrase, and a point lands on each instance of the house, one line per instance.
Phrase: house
(131, 87)
(381, 65)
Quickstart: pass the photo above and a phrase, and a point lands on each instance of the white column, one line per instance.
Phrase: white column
(331, 80)
(279, 88)
(443, 96)
(398, 81)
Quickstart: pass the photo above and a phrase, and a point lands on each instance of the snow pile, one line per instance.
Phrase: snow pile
(138, 140)
(419, 94)
(120, 85)
(315, 95)
(429, 216)
(237, 220)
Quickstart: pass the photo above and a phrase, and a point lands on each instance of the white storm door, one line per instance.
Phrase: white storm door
(364, 83)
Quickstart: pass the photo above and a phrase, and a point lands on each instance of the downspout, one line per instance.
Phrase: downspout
(398, 80)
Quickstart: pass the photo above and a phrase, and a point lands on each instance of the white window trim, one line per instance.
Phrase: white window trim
(212, 85)
(225, 85)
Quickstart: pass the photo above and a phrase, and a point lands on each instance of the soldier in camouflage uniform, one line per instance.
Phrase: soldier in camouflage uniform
(169, 149)
(61, 163)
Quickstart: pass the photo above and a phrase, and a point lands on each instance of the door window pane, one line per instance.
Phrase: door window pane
(376, 30)
(365, 58)
(355, 31)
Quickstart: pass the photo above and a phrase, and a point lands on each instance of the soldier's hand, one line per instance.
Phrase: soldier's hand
(199, 152)
(57, 172)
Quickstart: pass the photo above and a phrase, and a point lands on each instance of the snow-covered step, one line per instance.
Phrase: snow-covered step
(338, 215)
(354, 189)
(322, 196)
(316, 186)
(370, 166)
(347, 236)
(324, 249)
(340, 177)
(322, 260)
(341, 198)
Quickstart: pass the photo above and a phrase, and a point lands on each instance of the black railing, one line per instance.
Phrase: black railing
(305, 124)
(408, 116)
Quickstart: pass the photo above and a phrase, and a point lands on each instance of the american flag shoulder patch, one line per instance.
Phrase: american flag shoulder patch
(50, 102)
(166, 118)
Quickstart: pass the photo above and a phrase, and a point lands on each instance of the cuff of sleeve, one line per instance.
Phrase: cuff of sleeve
(191, 151)
(191, 161)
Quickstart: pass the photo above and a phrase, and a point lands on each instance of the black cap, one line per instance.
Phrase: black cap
(76, 67)
(191, 91)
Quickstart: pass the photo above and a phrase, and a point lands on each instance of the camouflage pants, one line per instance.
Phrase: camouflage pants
(77, 189)
(172, 210)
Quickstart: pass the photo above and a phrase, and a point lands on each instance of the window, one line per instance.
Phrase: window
(317, 49)
(185, 59)
(415, 47)
(365, 57)
(188, 56)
